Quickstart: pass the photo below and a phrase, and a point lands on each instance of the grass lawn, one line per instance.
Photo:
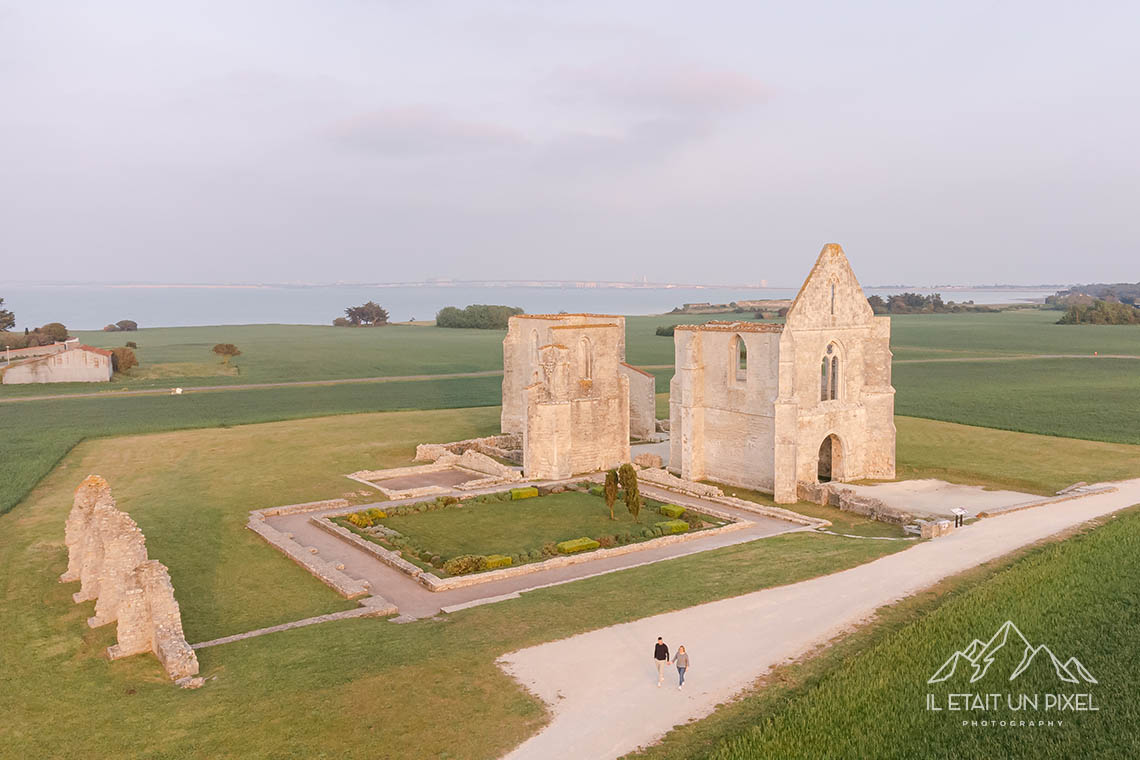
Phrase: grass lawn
(361, 688)
(867, 697)
(37, 434)
(524, 526)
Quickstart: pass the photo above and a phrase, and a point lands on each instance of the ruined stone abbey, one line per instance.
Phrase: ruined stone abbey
(757, 405)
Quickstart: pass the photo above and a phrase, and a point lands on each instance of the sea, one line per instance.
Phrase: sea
(91, 306)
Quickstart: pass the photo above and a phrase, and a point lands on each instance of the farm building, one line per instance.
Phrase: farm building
(70, 362)
(770, 406)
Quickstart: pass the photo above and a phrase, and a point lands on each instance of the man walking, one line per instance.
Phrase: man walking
(661, 657)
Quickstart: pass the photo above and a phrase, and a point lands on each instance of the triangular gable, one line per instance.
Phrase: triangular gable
(815, 307)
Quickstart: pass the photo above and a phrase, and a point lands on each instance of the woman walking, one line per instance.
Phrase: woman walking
(681, 660)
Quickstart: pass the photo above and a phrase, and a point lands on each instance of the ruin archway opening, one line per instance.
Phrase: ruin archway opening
(830, 460)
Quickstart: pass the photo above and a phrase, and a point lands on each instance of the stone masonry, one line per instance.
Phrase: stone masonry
(566, 389)
(770, 406)
(595, 345)
(107, 555)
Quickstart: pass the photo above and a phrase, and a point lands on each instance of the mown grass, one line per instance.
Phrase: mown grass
(362, 688)
(867, 698)
(520, 527)
(1096, 399)
(37, 434)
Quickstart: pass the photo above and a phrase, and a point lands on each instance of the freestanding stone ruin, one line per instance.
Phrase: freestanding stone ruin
(770, 406)
(569, 392)
(106, 552)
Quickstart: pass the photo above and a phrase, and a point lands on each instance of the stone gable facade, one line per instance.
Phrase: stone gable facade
(769, 406)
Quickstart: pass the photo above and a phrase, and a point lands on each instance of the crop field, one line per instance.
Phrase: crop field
(301, 693)
(1078, 597)
(1097, 399)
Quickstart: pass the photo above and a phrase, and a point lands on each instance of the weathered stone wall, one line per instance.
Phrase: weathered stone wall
(763, 425)
(577, 414)
(642, 401)
(506, 446)
(107, 554)
(539, 350)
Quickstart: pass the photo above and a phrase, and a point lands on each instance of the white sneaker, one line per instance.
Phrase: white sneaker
(678, 688)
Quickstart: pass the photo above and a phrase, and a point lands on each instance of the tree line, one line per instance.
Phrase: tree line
(478, 316)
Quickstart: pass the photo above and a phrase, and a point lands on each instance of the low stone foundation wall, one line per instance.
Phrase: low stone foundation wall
(507, 446)
(328, 573)
(106, 553)
(386, 556)
(665, 479)
(935, 528)
(833, 494)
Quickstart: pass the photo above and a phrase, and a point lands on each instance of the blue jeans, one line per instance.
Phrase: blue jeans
(681, 673)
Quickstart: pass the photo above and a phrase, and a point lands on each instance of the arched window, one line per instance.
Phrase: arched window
(587, 358)
(740, 358)
(829, 375)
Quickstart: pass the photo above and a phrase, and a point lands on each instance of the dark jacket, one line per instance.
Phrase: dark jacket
(660, 652)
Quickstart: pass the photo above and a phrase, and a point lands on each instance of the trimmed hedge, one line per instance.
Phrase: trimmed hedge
(464, 564)
(523, 493)
(578, 545)
(498, 560)
(672, 510)
(672, 526)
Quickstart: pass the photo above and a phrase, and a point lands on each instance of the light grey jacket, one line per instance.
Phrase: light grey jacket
(681, 660)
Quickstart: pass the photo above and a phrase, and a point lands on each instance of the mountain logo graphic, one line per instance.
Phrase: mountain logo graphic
(1013, 654)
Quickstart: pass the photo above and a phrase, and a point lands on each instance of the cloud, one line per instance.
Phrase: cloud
(644, 144)
(421, 131)
(687, 89)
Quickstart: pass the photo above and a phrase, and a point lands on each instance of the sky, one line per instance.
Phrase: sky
(713, 142)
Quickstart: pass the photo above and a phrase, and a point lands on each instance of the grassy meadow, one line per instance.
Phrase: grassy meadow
(330, 690)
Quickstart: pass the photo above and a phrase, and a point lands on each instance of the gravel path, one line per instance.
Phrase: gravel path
(601, 686)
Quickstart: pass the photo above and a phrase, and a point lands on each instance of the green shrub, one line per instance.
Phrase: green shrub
(646, 532)
(503, 496)
(598, 491)
(607, 541)
(464, 564)
(534, 555)
(672, 510)
(523, 493)
(498, 560)
(375, 514)
(577, 545)
(694, 519)
(671, 526)
(436, 561)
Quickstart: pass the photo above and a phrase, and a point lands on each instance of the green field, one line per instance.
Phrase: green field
(1078, 398)
(37, 434)
(325, 691)
(1078, 597)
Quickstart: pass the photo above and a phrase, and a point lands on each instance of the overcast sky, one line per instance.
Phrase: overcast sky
(715, 142)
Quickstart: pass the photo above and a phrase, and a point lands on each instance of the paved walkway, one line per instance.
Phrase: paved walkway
(601, 686)
(415, 601)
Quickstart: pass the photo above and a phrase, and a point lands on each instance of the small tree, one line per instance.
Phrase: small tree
(127, 325)
(341, 322)
(54, 330)
(7, 318)
(123, 359)
(227, 351)
(611, 491)
(370, 313)
(627, 476)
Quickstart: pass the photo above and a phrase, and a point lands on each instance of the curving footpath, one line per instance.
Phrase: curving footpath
(601, 686)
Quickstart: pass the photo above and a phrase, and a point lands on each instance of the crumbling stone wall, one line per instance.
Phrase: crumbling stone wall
(577, 412)
(107, 554)
(151, 621)
(765, 417)
(525, 358)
